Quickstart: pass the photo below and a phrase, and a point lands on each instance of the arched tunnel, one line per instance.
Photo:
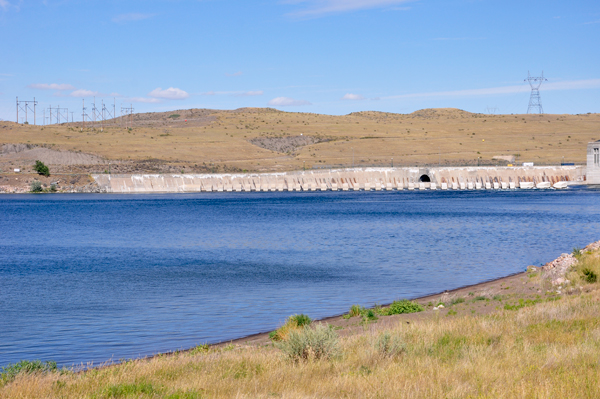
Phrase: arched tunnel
(424, 179)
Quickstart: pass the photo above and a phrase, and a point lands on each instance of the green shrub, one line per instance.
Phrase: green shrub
(9, 372)
(301, 320)
(41, 168)
(174, 116)
(53, 188)
(203, 348)
(456, 301)
(387, 345)
(356, 310)
(403, 306)
(589, 276)
(311, 343)
(294, 322)
(588, 267)
(36, 186)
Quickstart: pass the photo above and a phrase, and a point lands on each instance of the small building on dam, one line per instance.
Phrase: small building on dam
(593, 162)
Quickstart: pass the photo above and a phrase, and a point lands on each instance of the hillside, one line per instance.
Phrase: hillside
(265, 139)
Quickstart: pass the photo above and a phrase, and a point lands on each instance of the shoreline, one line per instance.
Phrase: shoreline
(554, 270)
(262, 338)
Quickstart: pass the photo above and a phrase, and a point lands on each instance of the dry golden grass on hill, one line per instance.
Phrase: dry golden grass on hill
(429, 136)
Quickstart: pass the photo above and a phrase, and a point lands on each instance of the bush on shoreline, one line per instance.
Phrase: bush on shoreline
(36, 186)
(294, 322)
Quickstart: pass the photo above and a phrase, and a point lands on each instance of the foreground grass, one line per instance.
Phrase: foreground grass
(550, 349)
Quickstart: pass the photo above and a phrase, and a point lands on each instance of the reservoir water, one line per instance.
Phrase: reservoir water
(88, 278)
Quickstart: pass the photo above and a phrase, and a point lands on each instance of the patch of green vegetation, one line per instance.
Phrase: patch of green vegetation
(41, 169)
(203, 348)
(522, 303)
(452, 312)
(586, 269)
(174, 116)
(456, 301)
(189, 394)
(589, 276)
(577, 252)
(9, 372)
(400, 307)
(480, 298)
(36, 187)
(127, 390)
(294, 322)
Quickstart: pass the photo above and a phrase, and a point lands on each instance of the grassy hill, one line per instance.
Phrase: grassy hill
(264, 139)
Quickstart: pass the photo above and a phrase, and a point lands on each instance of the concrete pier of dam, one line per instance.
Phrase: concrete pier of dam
(417, 178)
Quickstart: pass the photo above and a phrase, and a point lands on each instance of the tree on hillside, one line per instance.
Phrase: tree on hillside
(41, 168)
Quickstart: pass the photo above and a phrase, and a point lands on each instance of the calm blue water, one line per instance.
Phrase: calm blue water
(93, 277)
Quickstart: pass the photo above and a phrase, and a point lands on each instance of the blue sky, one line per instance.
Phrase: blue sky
(323, 56)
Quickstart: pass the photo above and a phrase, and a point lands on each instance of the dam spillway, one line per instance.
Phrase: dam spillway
(356, 179)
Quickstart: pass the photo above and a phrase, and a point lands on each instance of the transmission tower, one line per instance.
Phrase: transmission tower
(83, 114)
(25, 105)
(535, 102)
(128, 111)
(58, 114)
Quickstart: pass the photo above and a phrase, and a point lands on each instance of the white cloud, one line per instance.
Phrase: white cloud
(83, 93)
(238, 73)
(287, 102)
(208, 93)
(143, 100)
(51, 86)
(171, 93)
(547, 86)
(121, 18)
(350, 96)
(250, 93)
(317, 8)
(4, 4)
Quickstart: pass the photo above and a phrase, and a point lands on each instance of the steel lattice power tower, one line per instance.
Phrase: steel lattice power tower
(535, 101)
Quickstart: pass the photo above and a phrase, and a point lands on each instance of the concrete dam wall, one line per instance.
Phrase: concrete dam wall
(443, 178)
